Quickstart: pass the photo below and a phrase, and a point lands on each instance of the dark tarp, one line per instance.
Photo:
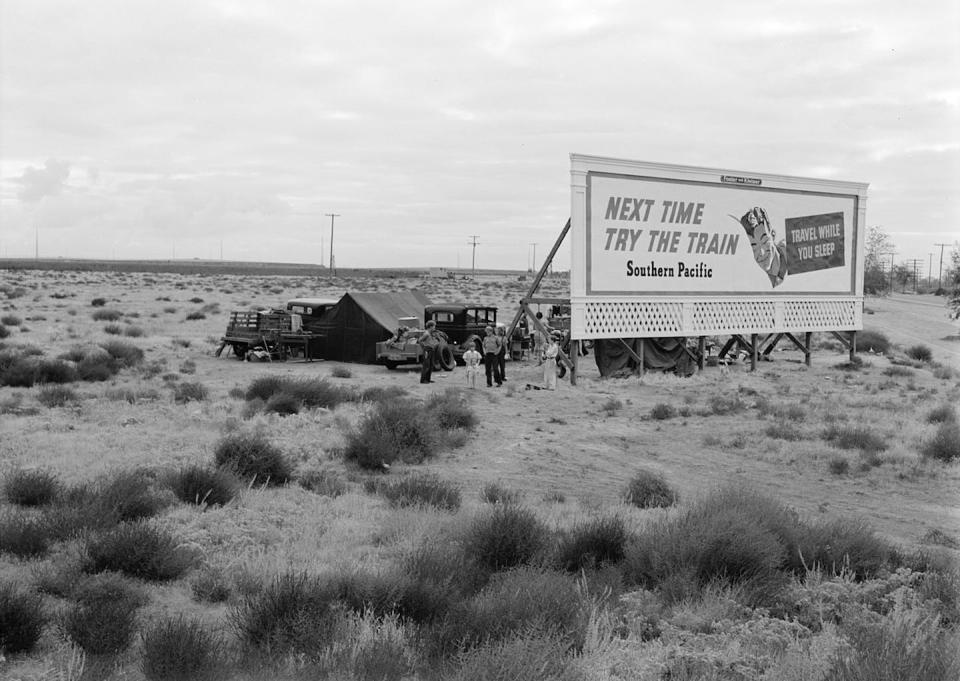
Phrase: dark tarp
(659, 354)
(352, 328)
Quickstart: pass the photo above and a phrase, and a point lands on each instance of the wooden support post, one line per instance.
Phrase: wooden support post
(753, 352)
(853, 346)
(807, 337)
(642, 368)
(575, 359)
(701, 351)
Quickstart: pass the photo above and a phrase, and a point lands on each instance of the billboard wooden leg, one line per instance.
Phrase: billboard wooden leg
(575, 360)
(701, 351)
(642, 368)
(753, 352)
(853, 345)
(808, 336)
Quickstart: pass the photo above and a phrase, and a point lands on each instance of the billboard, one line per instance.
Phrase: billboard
(646, 232)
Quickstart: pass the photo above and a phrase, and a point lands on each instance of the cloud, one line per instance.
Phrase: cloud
(40, 182)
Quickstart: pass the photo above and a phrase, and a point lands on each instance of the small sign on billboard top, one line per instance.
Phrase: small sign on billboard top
(736, 179)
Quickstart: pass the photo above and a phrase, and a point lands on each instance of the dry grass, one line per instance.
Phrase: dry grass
(581, 446)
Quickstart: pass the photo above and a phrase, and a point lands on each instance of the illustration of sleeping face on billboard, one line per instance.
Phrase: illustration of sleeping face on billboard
(770, 256)
(814, 242)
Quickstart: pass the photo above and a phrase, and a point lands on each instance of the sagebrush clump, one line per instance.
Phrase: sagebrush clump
(203, 486)
(180, 649)
(21, 619)
(31, 487)
(648, 489)
(253, 457)
(137, 549)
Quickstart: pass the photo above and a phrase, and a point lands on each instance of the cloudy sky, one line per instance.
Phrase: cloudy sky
(230, 128)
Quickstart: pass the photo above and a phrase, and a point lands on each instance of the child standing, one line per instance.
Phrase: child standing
(472, 360)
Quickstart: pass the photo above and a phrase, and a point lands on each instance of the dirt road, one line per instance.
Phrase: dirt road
(906, 320)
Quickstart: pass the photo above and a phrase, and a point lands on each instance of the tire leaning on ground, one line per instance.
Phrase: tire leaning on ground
(445, 357)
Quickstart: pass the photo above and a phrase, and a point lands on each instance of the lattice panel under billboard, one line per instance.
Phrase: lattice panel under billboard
(732, 314)
(811, 315)
(623, 320)
(637, 319)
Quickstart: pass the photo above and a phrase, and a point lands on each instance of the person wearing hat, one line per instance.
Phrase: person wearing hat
(428, 341)
(491, 348)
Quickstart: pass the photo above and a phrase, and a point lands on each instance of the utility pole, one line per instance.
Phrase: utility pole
(332, 217)
(940, 275)
(533, 265)
(913, 264)
(473, 260)
(891, 254)
(930, 269)
(36, 242)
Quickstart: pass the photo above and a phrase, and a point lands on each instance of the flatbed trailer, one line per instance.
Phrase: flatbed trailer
(272, 331)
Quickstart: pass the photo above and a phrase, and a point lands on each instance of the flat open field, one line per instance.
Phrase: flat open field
(580, 444)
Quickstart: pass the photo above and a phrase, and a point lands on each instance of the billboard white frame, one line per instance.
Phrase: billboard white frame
(664, 250)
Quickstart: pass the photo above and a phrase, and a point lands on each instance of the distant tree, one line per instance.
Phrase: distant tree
(952, 282)
(878, 246)
(902, 276)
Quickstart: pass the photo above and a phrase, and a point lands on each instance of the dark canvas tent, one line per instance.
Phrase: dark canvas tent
(659, 354)
(353, 327)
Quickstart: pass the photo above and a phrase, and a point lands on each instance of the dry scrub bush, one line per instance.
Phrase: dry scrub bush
(211, 585)
(647, 489)
(420, 490)
(102, 618)
(449, 410)
(941, 414)
(137, 549)
(31, 487)
(521, 601)
(921, 353)
(527, 656)
(592, 544)
(52, 396)
(203, 486)
(855, 437)
(323, 482)
(311, 393)
(21, 620)
(906, 645)
(505, 536)
(872, 341)
(498, 493)
(392, 431)
(663, 411)
(945, 443)
(189, 392)
(181, 649)
(253, 457)
(296, 613)
(104, 315)
(23, 535)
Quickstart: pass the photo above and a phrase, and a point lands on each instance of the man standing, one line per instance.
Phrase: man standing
(428, 341)
(491, 348)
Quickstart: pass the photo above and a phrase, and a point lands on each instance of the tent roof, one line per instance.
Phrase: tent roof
(387, 308)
